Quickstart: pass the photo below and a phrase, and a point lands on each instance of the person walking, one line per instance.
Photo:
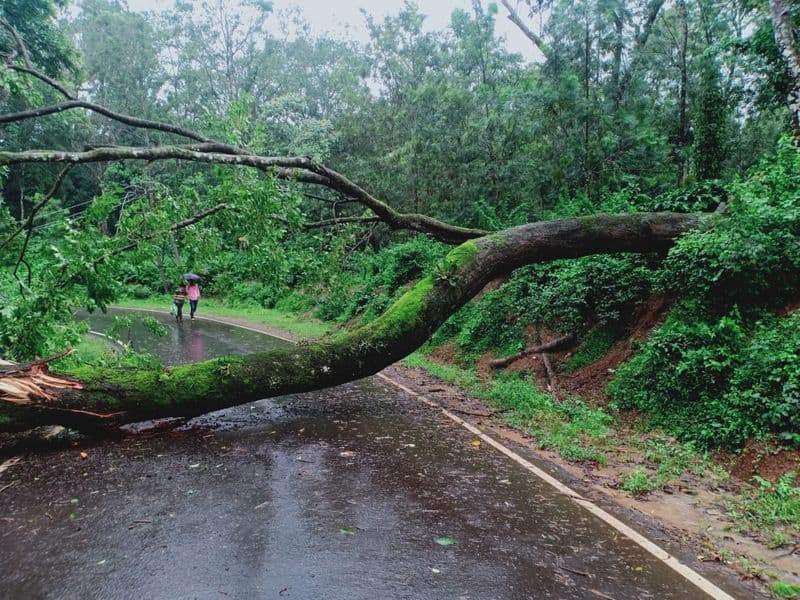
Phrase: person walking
(178, 300)
(193, 293)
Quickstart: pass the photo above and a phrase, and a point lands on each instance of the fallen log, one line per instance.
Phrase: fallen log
(563, 343)
(91, 398)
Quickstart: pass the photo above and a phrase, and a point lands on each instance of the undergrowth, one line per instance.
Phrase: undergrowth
(572, 428)
(769, 510)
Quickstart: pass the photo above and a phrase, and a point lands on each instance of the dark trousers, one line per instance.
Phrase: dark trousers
(192, 307)
(179, 309)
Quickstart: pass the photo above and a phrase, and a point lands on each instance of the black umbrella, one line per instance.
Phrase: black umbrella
(191, 277)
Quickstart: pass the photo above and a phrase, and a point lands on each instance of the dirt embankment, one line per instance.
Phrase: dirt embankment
(694, 507)
(589, 381)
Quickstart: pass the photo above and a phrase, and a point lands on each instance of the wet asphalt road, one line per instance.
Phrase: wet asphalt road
(337, 494)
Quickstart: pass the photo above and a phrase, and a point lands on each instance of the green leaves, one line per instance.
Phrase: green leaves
(445, 541)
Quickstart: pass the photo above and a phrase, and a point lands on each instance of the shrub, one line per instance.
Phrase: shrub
(751, 257)
(721, 370)
(140, 291)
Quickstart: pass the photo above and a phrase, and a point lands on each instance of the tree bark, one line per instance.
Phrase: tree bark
(786, 40)
(682, 138)
(292, 168)
(92, 398)
(555, 345)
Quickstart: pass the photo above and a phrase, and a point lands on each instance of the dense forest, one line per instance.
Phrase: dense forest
(648, 158)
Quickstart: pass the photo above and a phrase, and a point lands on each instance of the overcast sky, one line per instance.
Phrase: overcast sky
(344, 15)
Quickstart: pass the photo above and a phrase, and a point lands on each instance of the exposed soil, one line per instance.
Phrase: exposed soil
(591, 380)
(765, 459)
(483, 365)
(788, 308)
(445, 354)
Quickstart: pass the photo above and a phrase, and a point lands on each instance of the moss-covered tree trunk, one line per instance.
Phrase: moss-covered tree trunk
(91, 397)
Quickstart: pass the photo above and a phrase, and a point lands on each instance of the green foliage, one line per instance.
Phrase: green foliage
(571, 427)
(770, 508)
(593, 347)
(720, 370)
(711, 121)
(638, 482)
(490, 323)
(566, 295)
(378, 279)
(752, 256)
(783, 589)
(700, 196)
(667, 461)
(717, 381)
(36, 22)
(682, 373)
(140, 291)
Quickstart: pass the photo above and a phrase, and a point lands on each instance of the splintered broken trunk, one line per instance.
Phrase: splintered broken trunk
(95, 398)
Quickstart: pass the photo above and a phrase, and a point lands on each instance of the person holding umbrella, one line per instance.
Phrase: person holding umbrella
(192, 292)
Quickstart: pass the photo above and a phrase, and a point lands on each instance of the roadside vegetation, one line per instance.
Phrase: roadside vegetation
(687, 358)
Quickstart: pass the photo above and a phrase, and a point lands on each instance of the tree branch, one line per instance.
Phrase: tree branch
(39, 206)
(292, 168)
(529, 33)
(28, 68)
(42, 77)
(196, 218)
(340, 200)
(29, 224)
(300, 169)
(21, 47)
(340, 221)
(556, 345)
(125, 119)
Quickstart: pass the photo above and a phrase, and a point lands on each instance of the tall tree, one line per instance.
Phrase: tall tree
(784, 18)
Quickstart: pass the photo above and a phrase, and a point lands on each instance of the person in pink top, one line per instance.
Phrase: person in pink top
(193, 293)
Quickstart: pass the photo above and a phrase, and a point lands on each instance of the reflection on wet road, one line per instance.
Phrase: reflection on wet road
(353, 492)
(186, 341)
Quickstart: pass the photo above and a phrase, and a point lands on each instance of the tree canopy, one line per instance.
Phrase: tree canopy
(313, 170)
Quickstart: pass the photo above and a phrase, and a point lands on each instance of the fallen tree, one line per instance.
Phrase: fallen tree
(96, 399)
(93, 399)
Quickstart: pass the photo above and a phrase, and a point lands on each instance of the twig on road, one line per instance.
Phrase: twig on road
(8, 485)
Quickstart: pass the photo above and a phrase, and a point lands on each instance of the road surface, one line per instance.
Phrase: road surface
(355, 492)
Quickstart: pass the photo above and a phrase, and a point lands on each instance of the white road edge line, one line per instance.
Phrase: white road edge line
(661, 554)
(633, 535)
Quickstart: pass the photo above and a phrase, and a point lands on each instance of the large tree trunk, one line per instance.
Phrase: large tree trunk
(91, 397)
(786, 40)
(682, 137)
